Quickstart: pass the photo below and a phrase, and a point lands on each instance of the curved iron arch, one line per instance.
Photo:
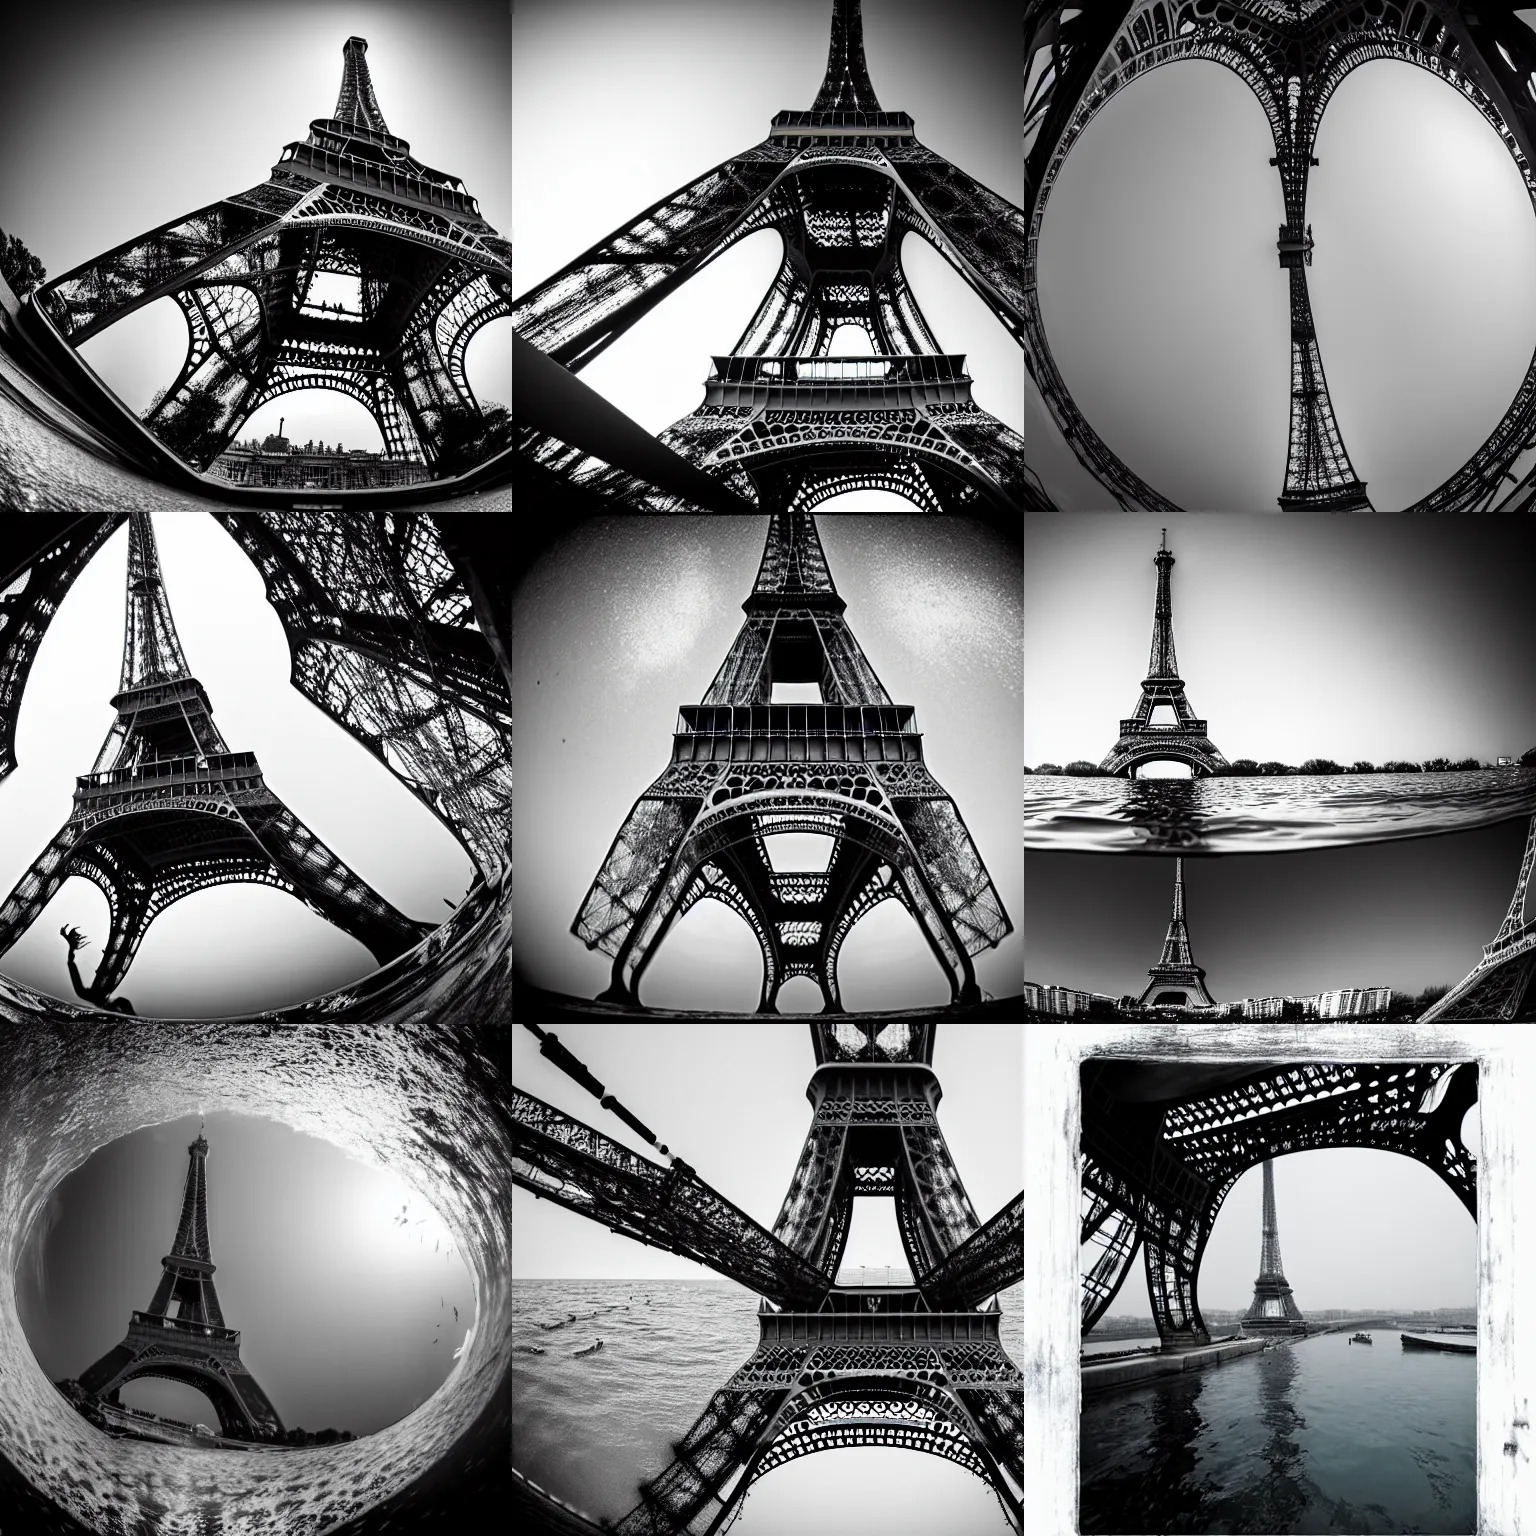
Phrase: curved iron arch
(225, 1401)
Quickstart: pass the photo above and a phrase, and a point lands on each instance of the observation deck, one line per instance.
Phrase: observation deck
(884, 382)
(1134, 727)
(797, 733)
(842, 125)
(147, 1325)
(194, 775)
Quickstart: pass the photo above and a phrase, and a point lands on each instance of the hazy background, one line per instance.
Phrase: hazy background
(1167, 310)
(231, 948)
(1406, 914)
(1342, 637)
(345, 1319)
(1345, 1241)
(614, 107)
(630, 617)
(116, 119)
(730, 1100)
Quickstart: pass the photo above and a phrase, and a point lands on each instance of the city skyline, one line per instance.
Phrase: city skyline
(1407, 915)
(1167, 314)
(1380, 639)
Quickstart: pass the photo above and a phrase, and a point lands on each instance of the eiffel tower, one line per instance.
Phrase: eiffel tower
(1184, 739)
(192, 1345)
(423, 272)
(1274, 1309)
(744, 768)
(168, 809)
(1176, 981)
(919, 1366)
(784, 420)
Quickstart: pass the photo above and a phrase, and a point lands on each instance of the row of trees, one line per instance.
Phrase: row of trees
(1248, 768)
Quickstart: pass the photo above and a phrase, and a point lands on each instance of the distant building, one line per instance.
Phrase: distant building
(1263, 1007)
(1068, 1002)
(1353, 1002)
(1505, 762)
(275, 462)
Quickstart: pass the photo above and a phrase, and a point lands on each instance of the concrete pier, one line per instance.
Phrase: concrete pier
(1121, 1373)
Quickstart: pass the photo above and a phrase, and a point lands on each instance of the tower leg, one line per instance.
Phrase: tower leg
(37, 887)
(130, 922)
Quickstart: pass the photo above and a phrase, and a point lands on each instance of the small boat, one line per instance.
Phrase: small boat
(1361, 1338)
(1452, 1344)
(591, 1349)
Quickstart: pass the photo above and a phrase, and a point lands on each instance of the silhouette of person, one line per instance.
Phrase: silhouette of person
(97, 996)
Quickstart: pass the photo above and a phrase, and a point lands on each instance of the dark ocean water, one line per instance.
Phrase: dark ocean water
(1266, 814)
(1318, 1436)
(590, 1428)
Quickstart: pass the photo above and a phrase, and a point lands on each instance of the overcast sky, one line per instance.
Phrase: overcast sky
(730, 1100)
(231, 948)
(338, 1307)
(1344, 1241)
(617, 106)
(631, 617)
(1405, 914)
(171, 106)
(1167, 311)
(1342, 637)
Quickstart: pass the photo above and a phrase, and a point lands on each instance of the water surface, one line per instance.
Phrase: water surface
(1317, 1436)
(1266, 814)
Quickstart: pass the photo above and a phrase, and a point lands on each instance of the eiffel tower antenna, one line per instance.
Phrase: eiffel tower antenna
(168, 809)
(785, 420)
(1184, 738)
(1176, 981)
(192, 1345)
(348, 203)
(1273, 1309)
(743, 768)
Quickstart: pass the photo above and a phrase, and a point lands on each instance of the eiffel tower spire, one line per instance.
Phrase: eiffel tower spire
(167, 810)
(846, 86)
(357, 106)
(1274, 1309)
(743, 767)
(1176, 981)
(191, 1345)
(1184, 738)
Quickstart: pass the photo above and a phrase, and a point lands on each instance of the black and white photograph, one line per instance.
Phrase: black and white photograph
(767, 766)
(784, 240)
(255, 768)
(1279, 256)
(785, 1316)
(1241, 684)
(1334, 1390)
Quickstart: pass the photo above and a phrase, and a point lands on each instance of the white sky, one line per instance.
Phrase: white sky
(730, 1100)
(1167, 310)
(1345, 1240)
(232, 948)
(657, 93)
(122, 159)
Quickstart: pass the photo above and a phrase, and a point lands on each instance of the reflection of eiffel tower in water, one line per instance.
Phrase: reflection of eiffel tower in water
(743, 769)
(191, 1345)
(1274, 1309)
(168, 809)
(1176, 981)
(786, 421)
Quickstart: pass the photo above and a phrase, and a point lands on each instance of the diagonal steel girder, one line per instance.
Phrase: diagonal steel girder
(990, 1259)
(559, 1158)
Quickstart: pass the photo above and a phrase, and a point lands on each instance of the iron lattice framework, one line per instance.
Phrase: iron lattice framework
(168, 809)
(191, 1345)
(1176, 981)
(916, 1367)
(347, 208)
(1293, 57)
(744, 769)
(1184, 738)
(1502, 985)
(1161, 1154)
(1273, 1309)
(784, 420)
